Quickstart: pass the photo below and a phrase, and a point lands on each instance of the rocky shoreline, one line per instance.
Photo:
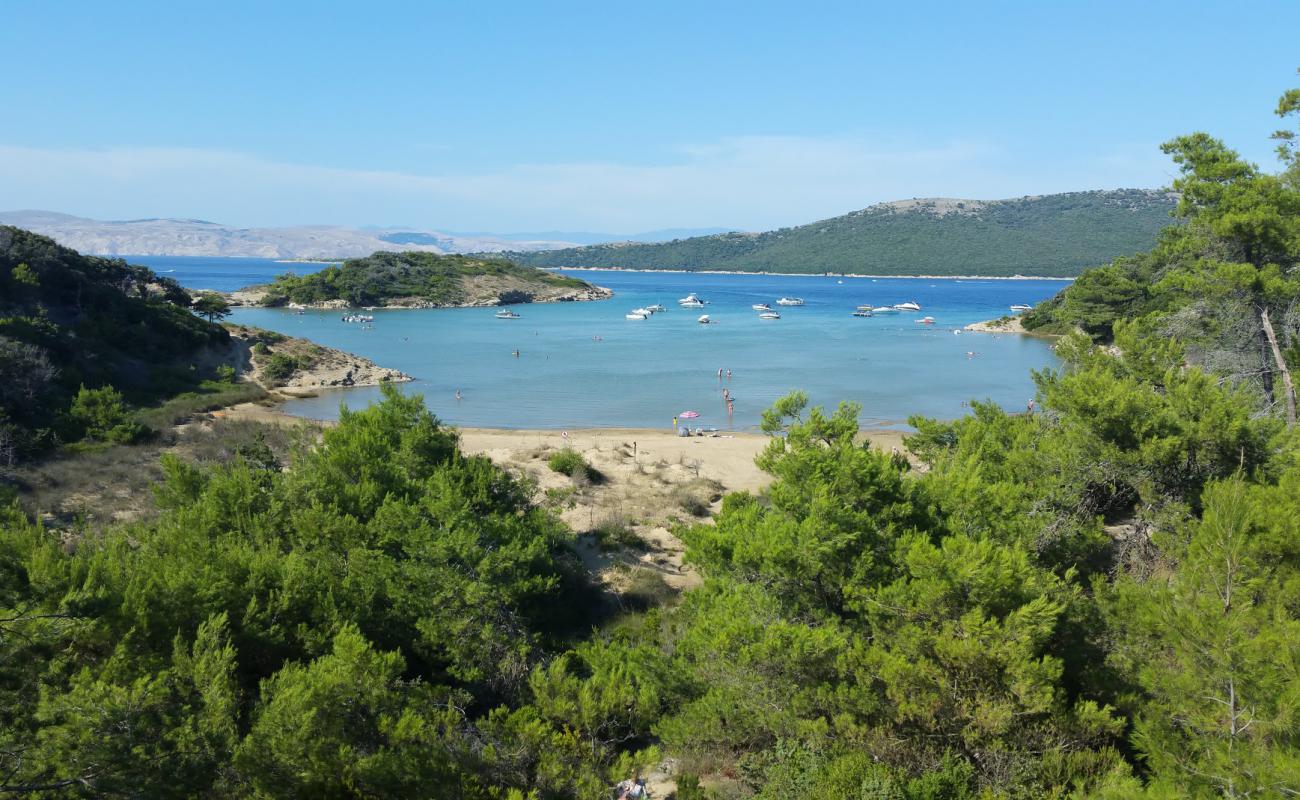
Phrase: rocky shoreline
(309, 365)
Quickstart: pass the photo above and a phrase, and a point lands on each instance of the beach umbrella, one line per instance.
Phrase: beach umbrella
(688, 415)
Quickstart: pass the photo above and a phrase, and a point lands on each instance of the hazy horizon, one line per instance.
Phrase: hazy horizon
(747, 117)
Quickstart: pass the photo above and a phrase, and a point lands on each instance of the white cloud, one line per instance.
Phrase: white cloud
(755, 182)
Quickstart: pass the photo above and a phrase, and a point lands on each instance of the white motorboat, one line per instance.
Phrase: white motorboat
(863, 312)
(636, 315)
(1020, 308)
(691, 303)
(646, 311)
(769, 315)
(790, 301)
(690, 298)
(656, 308)
(761, 307)
(884, 310)
(506, 314)
(704, 319)
(924, 321)
(911, 305)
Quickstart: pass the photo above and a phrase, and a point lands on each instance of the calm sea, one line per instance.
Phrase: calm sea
(584, 365)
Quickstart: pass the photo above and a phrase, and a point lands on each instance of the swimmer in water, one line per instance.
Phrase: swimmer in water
(458, 394)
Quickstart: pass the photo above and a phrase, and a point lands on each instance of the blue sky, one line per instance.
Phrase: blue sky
(613, 116)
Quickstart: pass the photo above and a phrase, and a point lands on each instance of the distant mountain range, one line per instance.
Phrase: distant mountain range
(195, 237)
(1056, 235)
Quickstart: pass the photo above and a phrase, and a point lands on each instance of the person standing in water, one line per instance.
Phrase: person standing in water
(458, 394)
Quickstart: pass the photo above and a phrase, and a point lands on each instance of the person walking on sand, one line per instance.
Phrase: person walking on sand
(674, 423)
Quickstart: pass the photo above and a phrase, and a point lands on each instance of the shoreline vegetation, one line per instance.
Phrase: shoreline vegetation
(823, 274)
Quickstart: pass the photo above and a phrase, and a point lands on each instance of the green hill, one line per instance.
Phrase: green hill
(427, 280)
(1053, 235)
(71, 323)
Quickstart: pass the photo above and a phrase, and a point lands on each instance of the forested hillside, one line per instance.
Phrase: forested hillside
(79, 336)
(1097, 600)
(428, 280)
(1052, 235)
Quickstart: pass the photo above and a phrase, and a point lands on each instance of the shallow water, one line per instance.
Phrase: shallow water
(641, 373)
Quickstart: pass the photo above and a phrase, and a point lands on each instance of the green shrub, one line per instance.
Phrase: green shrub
(279, 367)
(570, 462)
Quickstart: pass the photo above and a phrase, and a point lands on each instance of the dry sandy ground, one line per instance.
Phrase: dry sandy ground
(653, 482)
(1004, 325)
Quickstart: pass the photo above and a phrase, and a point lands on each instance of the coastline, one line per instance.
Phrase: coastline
(1010, 325)
(820, 274)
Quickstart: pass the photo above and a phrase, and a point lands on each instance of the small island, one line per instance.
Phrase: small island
(420, 280)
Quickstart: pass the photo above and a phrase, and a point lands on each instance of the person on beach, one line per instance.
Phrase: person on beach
(1030, 406)
(674, 423)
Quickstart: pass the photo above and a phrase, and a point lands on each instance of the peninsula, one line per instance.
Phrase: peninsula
(1056, 236)
(420, 280)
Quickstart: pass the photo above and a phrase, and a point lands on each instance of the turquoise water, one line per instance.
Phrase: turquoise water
(641, 373)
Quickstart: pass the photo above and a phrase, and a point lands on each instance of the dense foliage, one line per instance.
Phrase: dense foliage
(70, 324)
(1226, 285)
(426, 277)
(1053, 235)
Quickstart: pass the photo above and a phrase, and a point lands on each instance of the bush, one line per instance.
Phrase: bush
(102, 416)
(570, 462)
(279, 367)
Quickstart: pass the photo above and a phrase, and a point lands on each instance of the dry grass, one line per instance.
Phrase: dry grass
(99, 486)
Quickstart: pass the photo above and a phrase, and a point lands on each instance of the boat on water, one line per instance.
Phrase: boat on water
(691, 303)
(884, 310)
(1020, 308)
(358, 318)
(911, 305)
(790, 301)
(863, 312)
(506, 314)
(636, 315)
(656, 308)
(769, 315)
(761, 307)
(690, 298)
(924, 321)
(704, 319)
